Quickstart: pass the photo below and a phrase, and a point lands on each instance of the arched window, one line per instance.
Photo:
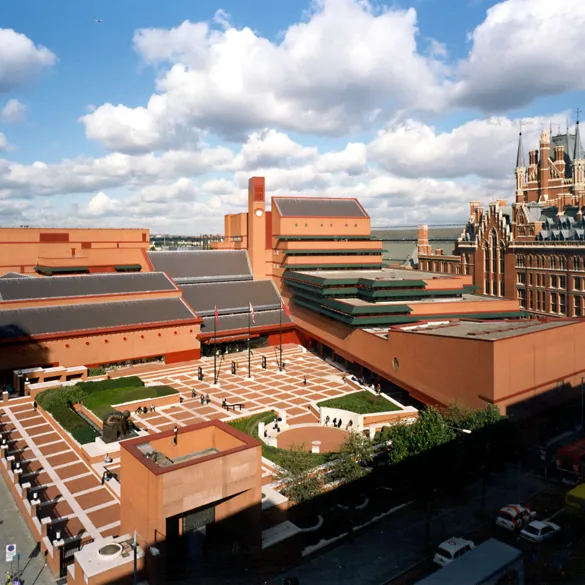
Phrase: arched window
(553, 262)
(494, 251)
(486, 255)
(502, 256)
(562, 263)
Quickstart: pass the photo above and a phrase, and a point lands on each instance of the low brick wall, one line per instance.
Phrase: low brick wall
(89, 414)
(389, 417)
(147, 402)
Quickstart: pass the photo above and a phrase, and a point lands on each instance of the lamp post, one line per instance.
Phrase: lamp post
(153, 551)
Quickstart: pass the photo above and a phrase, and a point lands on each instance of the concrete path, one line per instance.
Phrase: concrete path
(13, 530)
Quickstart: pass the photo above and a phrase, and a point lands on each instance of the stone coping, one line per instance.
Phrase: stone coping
(278, 533)
(93, 564)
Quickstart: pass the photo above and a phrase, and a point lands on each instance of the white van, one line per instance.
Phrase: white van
(452, 549)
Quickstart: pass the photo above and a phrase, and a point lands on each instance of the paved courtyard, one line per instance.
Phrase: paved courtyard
(70, 490)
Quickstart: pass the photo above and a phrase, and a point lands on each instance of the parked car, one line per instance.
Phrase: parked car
(452, 549)
(515, 517)
(539, 530)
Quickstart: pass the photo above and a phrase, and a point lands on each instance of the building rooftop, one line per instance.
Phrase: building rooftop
(488, 331)
(464, 298)
(231, 297)
(239, 321)
(382, 274)
(195, 266)
(19, 323)
(195, 444)
(18, 289)
(318, 207)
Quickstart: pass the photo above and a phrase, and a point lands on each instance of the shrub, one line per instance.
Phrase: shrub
(360, 403)
(130, 382)
(99, 371)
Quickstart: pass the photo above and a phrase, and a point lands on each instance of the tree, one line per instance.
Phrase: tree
(464, 418)
(355, 452)
(301, 484)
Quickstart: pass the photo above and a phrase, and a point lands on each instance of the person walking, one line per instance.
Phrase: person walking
(305, 380)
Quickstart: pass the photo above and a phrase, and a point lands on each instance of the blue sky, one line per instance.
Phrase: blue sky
(427, 95)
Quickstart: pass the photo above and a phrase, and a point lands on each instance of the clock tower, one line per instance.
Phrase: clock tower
(257, 226)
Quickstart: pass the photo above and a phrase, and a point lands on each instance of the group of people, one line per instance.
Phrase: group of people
(338, 422)
(144, 409)
(204, 398)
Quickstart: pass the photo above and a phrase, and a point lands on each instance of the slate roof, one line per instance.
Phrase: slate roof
(203, 265)
(16, 289)
(318, 207)
(70, 318)
(240, 321)
(231, 297)
(15, 275)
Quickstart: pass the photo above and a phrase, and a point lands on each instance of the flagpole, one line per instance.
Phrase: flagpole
(215, 347)
(249, 334)
(280, 315)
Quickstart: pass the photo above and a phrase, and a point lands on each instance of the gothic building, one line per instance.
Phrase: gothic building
(534, 249)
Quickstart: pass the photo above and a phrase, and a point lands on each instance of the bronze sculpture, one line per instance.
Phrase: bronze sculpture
(116, 425)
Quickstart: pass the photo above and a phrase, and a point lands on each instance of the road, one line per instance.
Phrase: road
(13, 530)
(393, 545)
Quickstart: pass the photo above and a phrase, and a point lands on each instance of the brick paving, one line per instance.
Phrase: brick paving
(82, 506)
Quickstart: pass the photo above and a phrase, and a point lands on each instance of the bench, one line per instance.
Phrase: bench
(234, 406)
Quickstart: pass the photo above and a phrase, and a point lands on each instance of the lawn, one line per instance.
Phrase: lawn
(360, 403)
(249, 425)
(97, 397)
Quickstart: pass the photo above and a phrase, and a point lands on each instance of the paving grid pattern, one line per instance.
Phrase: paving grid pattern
(93, 509)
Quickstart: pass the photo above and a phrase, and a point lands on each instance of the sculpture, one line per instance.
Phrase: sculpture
(116, 425)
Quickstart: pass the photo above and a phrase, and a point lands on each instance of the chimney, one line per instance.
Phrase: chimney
(559, 153)
(532, 158)
(423, 241)
(544, 174)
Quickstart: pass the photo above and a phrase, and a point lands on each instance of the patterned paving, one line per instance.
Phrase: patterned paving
(70, 491)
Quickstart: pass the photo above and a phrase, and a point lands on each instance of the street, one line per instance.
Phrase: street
(394, 545)
(13, 530)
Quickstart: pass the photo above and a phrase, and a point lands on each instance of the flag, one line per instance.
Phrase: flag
(216, 315)
(285, 308)
(252, 313)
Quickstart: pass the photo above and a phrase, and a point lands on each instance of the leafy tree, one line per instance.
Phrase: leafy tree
(464, 418)
(355, 452)
(296, 467)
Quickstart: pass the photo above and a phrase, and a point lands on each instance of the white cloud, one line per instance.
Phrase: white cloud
(3, 142)
(12, 112)
(112, 171)
(486, 148)
(522, 50)
(330, 74)
(21, 60)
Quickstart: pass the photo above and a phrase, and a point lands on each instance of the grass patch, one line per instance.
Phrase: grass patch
(97, 397)
(249, 425)
(360, 403)
(100, 403)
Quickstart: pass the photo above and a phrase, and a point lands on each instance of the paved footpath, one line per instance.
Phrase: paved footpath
(393, 545)
(13, 530)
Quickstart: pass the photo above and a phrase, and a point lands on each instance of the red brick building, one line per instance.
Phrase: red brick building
(534, 249)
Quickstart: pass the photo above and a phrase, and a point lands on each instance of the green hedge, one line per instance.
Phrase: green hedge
(249, 425)
(97, 397)
(99, 371)
(100, 403)
(360, 403)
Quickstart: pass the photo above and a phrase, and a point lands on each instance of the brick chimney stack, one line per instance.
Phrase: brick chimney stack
(423, 247)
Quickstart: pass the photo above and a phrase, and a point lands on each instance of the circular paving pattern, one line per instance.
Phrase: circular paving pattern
(330, 438)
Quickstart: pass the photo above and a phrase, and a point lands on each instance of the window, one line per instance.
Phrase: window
(494, 251)
(521, 278)
(562, 282)
(554, 281)
(530, 300)
(577, 307)
(522, 297)
(495, 287)
(553, 262)
(539, 300)
(458, 269)
(486, 287)
(554, 303)
(530, 279)
(577, 283)
(562, 263)
(520, 261)
(563, 304)
(502, 260)
(486, 252)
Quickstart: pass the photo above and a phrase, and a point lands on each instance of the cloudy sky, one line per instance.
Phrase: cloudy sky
(156, 116)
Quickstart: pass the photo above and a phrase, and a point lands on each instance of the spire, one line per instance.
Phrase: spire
(578, 154)
(520, 162)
